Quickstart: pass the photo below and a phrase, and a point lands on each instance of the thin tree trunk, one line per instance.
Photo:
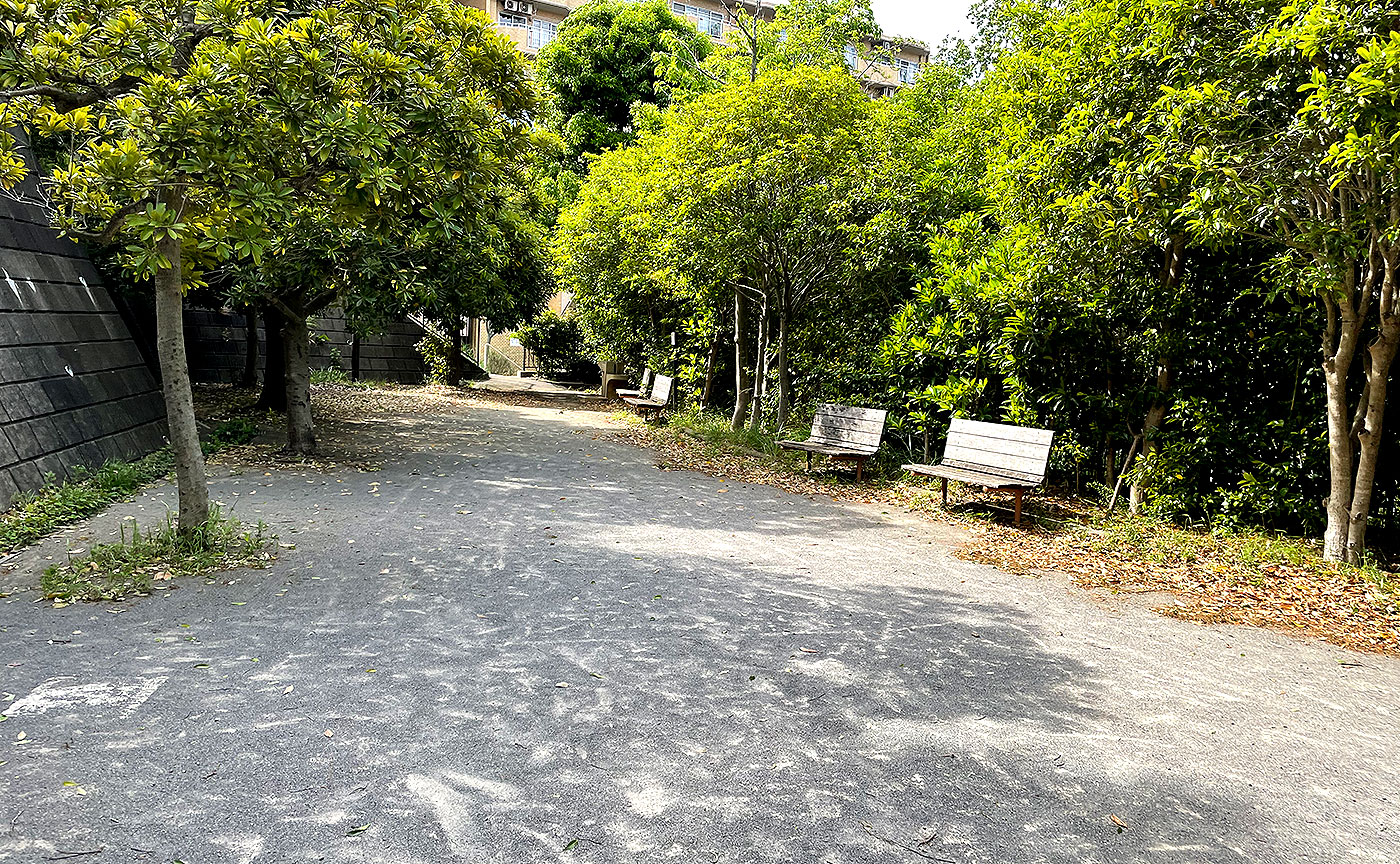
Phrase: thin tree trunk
(1173, 266)
(250, 347)
(274, 389)
(301, 432)
(760, 384)
(784, 374)
(354, 356)
(743, 381)
(190, 477)
(711, 363)
(1339, 342)
(1381, 356)
(1151, 423)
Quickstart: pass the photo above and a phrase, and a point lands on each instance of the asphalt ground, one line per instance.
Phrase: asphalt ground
(520, 641)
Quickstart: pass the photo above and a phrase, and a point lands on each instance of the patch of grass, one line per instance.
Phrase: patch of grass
(231, 433)
(140, 562)
(1172, 545)
(712, 427)
(35, 515)
(336, 375)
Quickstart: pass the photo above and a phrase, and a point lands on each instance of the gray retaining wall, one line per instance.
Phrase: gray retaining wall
(215, 340)
(74, 388)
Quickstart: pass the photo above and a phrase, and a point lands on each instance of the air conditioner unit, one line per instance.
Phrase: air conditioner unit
(524, 7)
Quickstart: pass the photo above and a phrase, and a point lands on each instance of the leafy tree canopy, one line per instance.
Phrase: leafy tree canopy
(605, 60)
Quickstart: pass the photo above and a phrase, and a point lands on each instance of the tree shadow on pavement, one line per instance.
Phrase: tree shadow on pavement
(528, 645)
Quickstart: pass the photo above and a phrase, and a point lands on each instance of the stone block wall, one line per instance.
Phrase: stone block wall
(215, 341)
(74, 388)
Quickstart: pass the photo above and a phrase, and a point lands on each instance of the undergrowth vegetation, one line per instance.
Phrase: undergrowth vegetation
(143, 561)
(34, 515)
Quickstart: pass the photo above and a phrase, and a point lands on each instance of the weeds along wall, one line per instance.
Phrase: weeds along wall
(75, 390)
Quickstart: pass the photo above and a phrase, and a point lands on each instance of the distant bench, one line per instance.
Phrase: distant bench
(624, 393)
(993, 456)
(844, 434)
(657, 402)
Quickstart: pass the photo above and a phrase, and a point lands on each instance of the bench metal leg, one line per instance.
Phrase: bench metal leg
(1020, 493)
(809, 461)
(945, 491)
(860, 466)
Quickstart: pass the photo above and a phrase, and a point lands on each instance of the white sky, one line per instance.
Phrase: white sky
(926, 20)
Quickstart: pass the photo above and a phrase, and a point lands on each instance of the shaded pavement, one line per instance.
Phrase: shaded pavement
(519, 641)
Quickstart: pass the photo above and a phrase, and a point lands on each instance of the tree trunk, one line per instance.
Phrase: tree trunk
(760, 384)
(354, 356)
(743, 380)
(250, 347)
(1173, 266)
(456, 370)
(274, 389)
(175, 379)
(784, 374)
(1151, 423)
(1340, 340)
(296, 342)
(1371, 412)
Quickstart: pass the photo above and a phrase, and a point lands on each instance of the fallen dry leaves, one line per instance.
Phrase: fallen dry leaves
(1213, 585)
(1211, 580)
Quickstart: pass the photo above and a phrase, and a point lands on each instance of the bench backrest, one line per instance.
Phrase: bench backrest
(646, 381)
(661, 389)
(1018, 452)
(858, 429)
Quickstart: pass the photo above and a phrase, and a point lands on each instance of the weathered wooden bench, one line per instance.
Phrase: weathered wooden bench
(658, 400)
(993, 456)
(625, 393)
(844, 434)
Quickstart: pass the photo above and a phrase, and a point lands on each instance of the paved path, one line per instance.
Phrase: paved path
(518, 643)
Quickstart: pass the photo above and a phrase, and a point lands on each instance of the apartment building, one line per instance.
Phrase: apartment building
(532, 24)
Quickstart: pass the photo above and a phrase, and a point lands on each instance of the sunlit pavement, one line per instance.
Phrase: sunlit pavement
(519, 642)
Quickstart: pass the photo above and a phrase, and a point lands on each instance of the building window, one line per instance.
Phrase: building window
(908, 71)
(849, 53)
(542, 33)
(706, 21)
(510, 19)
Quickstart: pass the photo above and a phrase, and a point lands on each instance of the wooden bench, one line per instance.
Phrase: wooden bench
(844, 434)
(993, 456)
(623, 393)
(657, 402)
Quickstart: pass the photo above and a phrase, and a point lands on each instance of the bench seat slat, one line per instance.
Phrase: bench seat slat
(864, 439)
(823, 449)
(958, 453)
(1002, 431)
(827, 447)
(1000, 446)
(842, 422)
(828, 408)
(975, 478)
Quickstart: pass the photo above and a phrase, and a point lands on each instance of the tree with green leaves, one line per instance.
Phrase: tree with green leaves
(236, 120)
(609, 57)
(748, 191)
(1297, 140)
